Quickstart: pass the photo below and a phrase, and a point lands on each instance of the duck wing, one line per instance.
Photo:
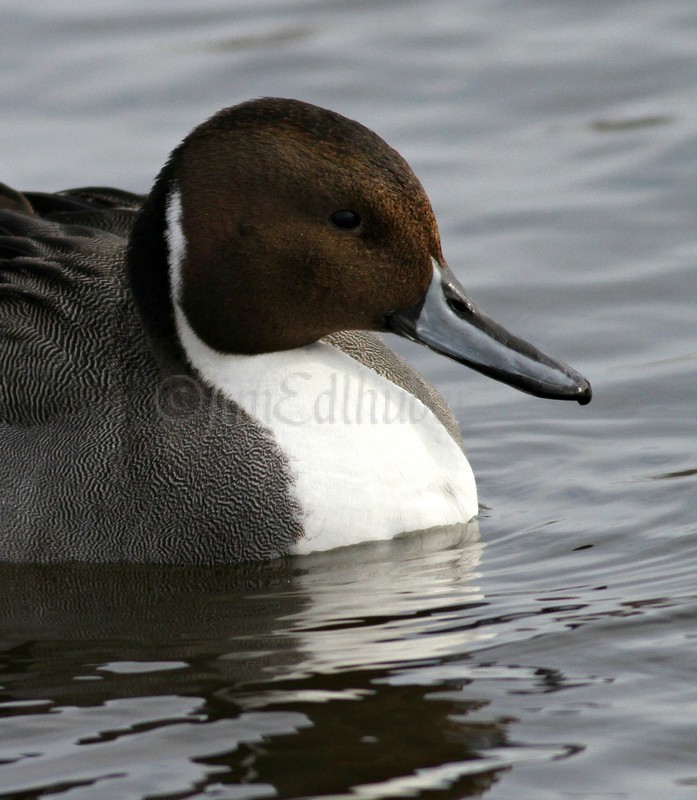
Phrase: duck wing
(64, 305)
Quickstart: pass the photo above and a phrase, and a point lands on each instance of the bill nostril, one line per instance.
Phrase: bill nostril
(458, 306)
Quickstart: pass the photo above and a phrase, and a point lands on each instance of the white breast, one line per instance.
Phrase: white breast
(369, 459)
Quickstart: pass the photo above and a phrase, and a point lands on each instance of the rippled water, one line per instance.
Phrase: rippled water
(552, 653)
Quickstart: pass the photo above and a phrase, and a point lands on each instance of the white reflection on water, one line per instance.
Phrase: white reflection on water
(381, 605)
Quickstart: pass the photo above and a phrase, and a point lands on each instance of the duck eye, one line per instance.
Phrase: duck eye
(345, 219)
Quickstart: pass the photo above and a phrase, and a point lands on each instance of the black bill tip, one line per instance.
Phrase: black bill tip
(585, 394)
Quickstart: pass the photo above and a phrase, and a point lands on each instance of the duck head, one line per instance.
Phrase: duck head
(283, 222)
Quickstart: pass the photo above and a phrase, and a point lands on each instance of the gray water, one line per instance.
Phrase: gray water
(550, 654)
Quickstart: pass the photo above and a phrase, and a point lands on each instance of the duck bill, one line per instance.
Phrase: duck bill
(447, 321)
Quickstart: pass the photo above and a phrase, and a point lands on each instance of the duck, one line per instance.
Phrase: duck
(199, 375)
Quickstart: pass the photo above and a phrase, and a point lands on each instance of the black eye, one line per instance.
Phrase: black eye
(345, 219)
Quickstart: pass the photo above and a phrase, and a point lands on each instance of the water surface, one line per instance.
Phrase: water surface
(549, 654)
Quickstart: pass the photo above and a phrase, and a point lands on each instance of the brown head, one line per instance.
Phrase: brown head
(298, 223)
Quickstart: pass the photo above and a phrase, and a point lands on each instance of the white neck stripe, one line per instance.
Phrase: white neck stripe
(176, 243)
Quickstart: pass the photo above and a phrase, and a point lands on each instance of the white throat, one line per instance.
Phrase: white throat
(369, 459)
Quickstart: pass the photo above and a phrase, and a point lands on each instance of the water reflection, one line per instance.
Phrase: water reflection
(249, 676)
(372, 605)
